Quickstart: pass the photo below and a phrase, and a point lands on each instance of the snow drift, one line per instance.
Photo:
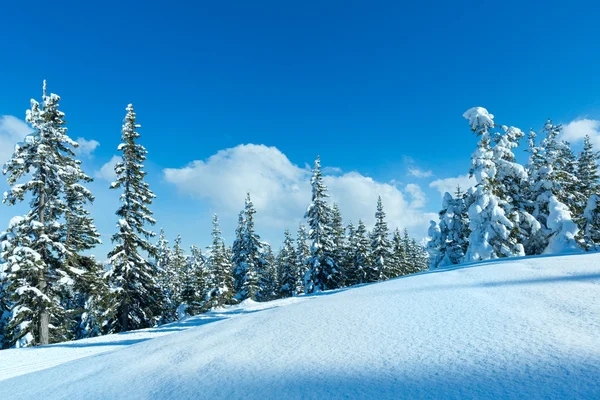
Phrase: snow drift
(524, 328)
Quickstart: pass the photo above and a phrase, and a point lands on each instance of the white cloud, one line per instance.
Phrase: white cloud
(281, 190)
(419, 173)
(107, 171)
(12, 131)
(86, 147)
(450, 184)
(575, 131)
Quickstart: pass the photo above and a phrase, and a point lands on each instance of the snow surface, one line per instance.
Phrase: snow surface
(526, 328)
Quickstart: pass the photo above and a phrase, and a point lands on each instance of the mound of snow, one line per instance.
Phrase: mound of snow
(524, 328)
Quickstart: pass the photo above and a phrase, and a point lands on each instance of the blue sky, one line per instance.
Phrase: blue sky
(376, 88)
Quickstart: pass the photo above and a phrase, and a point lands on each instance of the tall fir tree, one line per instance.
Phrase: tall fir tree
(323, 272)
(588, 181)
(288, 268)
(361, 260)
(381, 248)
(489, 225)
(302, 256)
(268, 278)
(399, 254)
(221, 284)
(247, 255)
(137, 299)
(47, 159)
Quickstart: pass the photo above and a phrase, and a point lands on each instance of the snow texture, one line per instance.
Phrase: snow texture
(525, 328)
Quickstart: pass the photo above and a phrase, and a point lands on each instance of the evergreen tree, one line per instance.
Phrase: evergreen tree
(288, 268)
(588, 184)
(162, 265)
(136, 299)
(550, 178)
(589, 235)
(399, 254)
(449, 238)
(267, 277)
(194, 282)
(381, 248)
(46, 156)
(221, 285)
(323, 272)
(247, 255)
(93, 290)
(339, 237)
(489, 225)
(176, 274)
(361, 262)
(302, 256)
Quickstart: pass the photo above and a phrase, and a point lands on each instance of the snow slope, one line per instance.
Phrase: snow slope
(527, 328)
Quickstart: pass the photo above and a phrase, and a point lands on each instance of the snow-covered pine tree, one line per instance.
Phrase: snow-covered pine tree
(288, 271)
(347, 262)
(220, 278)
(588, 186)
(361, 259)
(587, 169)
(162, 265)
(247, 255)
(399, 254)
(564, 230)
(45, 156)
(451, 241)
(93, 288)
(489, 225)
(410, 266)
(194, 287)
(137, 298)
(323, 272)
(550, 176)
(238, 255)
(339, 238)
(381, 248)
(176, 271)
(589, 234)
(302, 256)
(267, 278)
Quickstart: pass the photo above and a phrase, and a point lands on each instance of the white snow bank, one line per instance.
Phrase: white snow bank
(505, 329)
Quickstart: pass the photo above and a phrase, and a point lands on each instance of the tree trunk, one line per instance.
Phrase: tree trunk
(125, 317)
(44, 316)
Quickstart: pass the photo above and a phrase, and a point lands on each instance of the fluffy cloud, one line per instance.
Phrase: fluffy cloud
(450, 184)
(12, 130)
(107, 171)
(86, 147)
(576, 130)
(418, 173)
(281, 190)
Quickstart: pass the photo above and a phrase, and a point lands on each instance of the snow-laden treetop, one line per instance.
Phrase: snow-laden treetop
(479, 117)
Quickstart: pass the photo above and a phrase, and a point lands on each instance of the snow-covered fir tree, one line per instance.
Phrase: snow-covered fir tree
(588, 184)
(220, 275)
(288, 268)
(490, 235)
(550, 176)
(339, 237)
(34, 244)
(247, 255)
(381, 248)
(193, 284)
(92, 287)
(268, 279)
(399, 254)
(589, 234)
(449, 238)
(361, 260)
(323, 272)
(302, 256)
(137, 299)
